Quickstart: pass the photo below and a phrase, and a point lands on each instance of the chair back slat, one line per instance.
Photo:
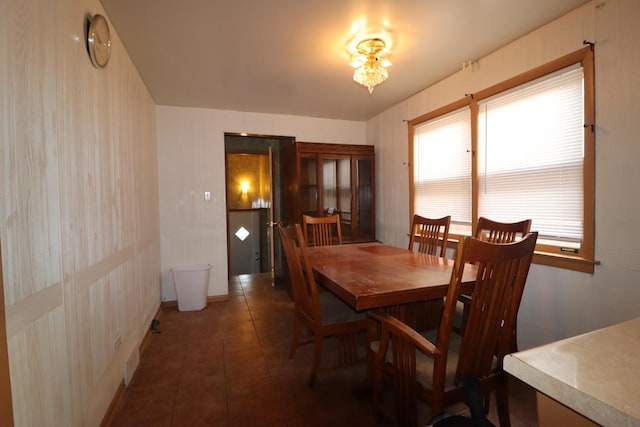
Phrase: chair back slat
(325, 230)
(501, 232)
(429, 233)
(502, 274)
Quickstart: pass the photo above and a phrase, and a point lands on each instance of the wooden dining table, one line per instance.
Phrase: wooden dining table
(374, 275)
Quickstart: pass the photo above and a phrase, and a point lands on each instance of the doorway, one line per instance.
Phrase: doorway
(254, 203)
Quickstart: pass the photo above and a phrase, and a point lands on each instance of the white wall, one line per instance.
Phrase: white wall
(191, 161)
(79, 222)
(557, 303)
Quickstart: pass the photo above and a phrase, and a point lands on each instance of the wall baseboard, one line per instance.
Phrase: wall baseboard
(118, 397)
(218, 298)
(210, 300)
(116, 402)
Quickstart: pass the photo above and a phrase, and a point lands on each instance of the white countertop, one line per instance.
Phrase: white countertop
(596, 374)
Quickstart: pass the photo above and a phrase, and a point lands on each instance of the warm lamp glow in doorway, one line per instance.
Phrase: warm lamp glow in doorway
(370, 59)
(244, 187)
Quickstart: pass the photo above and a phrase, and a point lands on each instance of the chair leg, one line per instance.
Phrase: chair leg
(317, 355)
(376, 378)
(502, 402)
(406, 405)
(296, 337)
(373, 334)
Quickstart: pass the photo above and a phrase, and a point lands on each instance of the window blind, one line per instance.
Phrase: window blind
(442, 167)
(531, 153)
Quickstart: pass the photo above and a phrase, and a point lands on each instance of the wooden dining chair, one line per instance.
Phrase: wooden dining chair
(321, 313)
(438, 365)
(322, 231)
(494, 232)
(429, 233)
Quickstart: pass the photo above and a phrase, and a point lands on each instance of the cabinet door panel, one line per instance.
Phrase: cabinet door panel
(309, 195)
(336, 185)
(337, 190)
(365, 198)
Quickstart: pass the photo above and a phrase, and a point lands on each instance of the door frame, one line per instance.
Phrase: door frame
(6, 405)
(241, 143)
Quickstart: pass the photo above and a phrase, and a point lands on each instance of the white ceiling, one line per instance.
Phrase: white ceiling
(290, 56)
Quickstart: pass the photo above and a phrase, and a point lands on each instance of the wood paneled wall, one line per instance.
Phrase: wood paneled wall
(79, 221)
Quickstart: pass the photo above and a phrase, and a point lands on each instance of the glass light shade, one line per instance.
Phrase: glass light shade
(370, 76)
(370, 58)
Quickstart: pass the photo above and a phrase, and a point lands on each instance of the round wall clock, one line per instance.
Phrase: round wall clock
(99, 41)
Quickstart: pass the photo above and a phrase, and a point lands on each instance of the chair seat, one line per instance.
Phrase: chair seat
(334, 310)
(424, 363)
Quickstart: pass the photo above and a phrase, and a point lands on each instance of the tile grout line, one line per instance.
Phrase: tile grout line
(264, 356)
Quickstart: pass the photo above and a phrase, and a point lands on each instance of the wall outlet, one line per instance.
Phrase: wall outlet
(116, 342)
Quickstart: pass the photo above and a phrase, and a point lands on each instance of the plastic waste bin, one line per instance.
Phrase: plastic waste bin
(192, 283)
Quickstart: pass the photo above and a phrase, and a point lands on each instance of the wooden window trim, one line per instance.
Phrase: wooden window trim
(584, 260)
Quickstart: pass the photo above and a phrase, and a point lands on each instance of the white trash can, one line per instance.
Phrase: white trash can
(192, 283)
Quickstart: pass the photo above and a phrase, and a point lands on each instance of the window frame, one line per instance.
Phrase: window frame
(545, 254)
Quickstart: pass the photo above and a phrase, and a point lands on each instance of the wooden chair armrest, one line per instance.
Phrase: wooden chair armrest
(403, 330)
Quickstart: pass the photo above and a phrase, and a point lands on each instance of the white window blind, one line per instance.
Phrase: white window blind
(442, 167)
(530, 155)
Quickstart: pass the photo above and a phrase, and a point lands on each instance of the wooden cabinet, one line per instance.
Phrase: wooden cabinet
(322, 179)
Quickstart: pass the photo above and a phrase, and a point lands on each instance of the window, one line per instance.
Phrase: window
(533, 157)
(442, 182)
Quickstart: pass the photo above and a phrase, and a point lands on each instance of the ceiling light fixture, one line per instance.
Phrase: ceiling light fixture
(370, 59)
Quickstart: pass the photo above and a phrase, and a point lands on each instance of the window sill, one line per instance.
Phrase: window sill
(567, 262)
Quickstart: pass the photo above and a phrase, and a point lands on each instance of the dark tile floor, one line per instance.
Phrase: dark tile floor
(228, 365)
